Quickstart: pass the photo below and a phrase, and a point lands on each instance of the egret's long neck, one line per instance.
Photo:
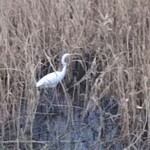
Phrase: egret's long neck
(64, 63)
(63, 71)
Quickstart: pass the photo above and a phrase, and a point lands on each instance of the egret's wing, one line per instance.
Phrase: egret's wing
(50, 80)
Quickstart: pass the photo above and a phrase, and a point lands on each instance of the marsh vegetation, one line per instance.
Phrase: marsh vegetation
(108, 85)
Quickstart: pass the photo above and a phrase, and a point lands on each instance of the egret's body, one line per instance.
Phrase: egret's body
(52, 79)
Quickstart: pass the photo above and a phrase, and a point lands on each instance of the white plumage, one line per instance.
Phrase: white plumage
(52, 79)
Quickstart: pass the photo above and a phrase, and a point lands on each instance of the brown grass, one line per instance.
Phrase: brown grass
(113, 38)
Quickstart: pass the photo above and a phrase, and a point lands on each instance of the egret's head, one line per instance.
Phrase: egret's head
(63, 60)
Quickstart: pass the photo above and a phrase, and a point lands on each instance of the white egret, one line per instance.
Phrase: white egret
(52, 79)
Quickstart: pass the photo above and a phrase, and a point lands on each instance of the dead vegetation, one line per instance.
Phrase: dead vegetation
(113, 38)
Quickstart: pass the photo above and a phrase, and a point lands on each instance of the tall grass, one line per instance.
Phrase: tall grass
(115, 35)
